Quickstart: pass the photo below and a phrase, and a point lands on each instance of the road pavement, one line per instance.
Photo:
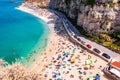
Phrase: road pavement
(72, 30)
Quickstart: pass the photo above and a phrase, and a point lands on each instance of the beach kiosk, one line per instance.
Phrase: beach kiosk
(115, 68)
(113, 71)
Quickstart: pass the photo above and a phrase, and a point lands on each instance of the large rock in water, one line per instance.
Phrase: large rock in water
(95, 16)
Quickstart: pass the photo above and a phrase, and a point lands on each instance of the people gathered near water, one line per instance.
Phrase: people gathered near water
(63, 59)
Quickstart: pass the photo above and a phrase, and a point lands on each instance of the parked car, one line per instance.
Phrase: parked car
(78, 39)
(106, 55)
(67, 24)
(89, 46)
(83, 42)
(75, 36)
(96, 50)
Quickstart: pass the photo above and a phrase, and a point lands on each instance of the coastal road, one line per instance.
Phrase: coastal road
(72, 30)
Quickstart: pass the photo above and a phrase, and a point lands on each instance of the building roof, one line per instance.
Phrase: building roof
(115, 71)
(116, 64)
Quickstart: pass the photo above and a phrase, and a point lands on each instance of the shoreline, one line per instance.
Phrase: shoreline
(62, 59)
(38, 66)
(30, 11)
(59, 45)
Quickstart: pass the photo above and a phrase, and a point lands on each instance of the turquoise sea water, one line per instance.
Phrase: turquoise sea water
(22, 35)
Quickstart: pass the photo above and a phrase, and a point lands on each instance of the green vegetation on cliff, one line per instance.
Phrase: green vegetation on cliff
(90, 2)
(111, 4)
(109, 40)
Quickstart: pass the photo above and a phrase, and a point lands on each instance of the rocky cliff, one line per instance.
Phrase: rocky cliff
(95, 16)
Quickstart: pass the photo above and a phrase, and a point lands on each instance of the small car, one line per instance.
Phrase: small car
(75, 36)
(83, 42)
(106, 55)
(89, 46)
(96, 50)
(78, 39)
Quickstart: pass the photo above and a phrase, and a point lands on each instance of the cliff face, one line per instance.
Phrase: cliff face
(100, 18)
(95, 16)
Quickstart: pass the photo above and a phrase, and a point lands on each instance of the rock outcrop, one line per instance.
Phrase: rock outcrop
(95, 16)
(41, 3)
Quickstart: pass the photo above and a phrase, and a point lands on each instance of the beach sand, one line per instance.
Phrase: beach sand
(40, 63)
(59, 44)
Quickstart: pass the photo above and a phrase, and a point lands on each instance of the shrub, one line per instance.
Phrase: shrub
(115, 46)
(111, 4)
(107, 44)
(40, 6)
(89, 35)
(96, 38)
(115, 35)
(90, 2)
(101, 40)
(106, 37)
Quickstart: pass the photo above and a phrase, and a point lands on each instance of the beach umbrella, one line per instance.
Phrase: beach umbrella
(74, 50)
(58, 66)
(64, 53)
(80, 72)
(87, 62)
(58, 79)
(72, 55)
(59, 56)
(91, 62)
(55, 74)
(74, 60)
(101, 73)
(50, 64)
(65, 61)
(97, 77)
(69, 59)
(70, 69)
(87, 66)
(91, 78)
(68, 53)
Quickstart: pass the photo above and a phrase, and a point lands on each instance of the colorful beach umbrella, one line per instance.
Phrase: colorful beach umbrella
(74, 50)
(91, 62)
(59, 56)
(74, 60)
(66, 54)
(58, 79)
(50, 64)
(55, 73)
(91, 78)
(97, 77)
(80, 72)
(88, 62)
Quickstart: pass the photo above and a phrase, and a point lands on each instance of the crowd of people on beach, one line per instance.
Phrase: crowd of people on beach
(71, 62)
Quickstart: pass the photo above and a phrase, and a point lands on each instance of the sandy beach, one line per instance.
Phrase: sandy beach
(43, 60)
(62, 59)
